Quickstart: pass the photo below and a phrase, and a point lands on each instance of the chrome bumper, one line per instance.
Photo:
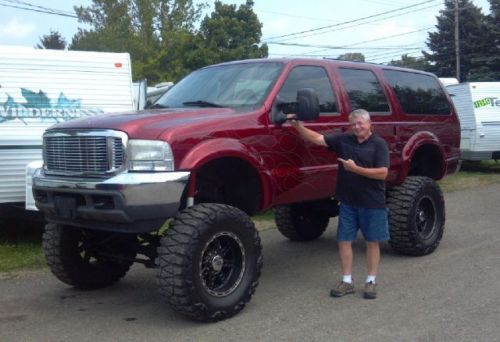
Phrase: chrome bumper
(127, 202)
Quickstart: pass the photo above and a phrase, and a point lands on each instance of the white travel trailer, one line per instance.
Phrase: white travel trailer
(39, 88)
(478, 107)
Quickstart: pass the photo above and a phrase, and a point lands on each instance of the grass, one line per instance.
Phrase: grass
(472, 175)
(21, 249)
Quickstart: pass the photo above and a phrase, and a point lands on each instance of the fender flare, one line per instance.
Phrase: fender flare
(413, 144)
(217, 148)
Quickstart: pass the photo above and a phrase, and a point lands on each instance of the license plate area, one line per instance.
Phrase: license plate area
(65, 207)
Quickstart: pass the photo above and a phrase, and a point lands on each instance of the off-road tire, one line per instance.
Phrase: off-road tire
(210, 261)
(416, 216)
(300, 222)
(87, 259)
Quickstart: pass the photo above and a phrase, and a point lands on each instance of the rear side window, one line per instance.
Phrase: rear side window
(364, 90)
(310, 77)
(417, 93)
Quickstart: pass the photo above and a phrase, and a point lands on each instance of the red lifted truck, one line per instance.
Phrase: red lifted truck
(174, 186)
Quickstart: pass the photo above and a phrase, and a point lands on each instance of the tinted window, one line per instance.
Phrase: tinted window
(417, 93)
(365, 91)
(229, 85)
(309, 77)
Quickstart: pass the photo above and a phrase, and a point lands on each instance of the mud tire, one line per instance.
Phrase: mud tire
(416, 216)
(300, 222)
(87, 259)
(210, 261)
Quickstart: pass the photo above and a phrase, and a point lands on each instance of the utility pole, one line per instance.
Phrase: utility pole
(457, 43)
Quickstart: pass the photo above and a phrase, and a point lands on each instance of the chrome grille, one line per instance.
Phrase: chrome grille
(81, 153)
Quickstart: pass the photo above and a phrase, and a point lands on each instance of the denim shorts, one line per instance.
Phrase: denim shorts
(373, 223)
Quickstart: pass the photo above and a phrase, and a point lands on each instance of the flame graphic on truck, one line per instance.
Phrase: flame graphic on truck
(39, 106)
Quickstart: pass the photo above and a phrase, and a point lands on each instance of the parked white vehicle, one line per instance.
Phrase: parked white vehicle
(478, 107)
(39, 88)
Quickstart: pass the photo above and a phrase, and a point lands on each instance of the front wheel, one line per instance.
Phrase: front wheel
(416, 216)
(210, 260)
(87, 259)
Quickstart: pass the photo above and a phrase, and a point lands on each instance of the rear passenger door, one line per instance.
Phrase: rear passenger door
(365, 91)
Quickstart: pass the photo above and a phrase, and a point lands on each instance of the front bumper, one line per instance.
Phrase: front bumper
(128, 202)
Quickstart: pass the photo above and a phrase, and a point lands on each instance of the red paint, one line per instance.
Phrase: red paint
(290, 169)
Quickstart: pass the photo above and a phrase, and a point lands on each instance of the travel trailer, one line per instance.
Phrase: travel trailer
(39, 88)
(478, 108)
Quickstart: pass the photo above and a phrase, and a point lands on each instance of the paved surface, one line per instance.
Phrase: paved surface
(450, 295)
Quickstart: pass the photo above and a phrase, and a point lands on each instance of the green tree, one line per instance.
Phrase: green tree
(53, 40)
(352, 56)
(232, 33)
(489, 64)
(152, 31)
(110, 27)
(474, 44)
(406, 61)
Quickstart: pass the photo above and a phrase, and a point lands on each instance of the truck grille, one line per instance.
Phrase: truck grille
(83, 153)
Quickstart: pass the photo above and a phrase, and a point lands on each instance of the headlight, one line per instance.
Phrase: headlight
(149, 155)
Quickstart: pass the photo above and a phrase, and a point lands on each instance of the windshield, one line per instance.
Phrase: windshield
(230, 85)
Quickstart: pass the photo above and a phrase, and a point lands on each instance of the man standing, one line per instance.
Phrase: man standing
(364, 163)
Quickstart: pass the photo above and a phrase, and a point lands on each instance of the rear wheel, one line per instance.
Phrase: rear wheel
(87, 259)
(416, 216)
(210, 260)
(301, 221)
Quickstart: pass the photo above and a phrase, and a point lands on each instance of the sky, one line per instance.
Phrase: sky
(315, 28)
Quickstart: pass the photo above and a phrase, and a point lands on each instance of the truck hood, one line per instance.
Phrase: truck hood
(149, 124)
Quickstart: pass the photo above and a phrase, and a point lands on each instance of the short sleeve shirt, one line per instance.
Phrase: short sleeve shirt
(354, 189)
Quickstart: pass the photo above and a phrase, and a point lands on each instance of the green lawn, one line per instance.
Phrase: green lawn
(471, 175)
(22, 250)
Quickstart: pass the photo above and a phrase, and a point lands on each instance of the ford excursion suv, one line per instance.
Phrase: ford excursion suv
(174, 186)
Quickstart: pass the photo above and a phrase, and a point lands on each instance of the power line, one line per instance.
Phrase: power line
(371, 40)
(295, 16)
(37, 6)
(392, 55)
(356, 25)
(349, 21)
(392, 36)
(336, 47)
(34, 8)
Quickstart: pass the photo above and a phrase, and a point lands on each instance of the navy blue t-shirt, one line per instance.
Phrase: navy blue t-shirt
(354, 189)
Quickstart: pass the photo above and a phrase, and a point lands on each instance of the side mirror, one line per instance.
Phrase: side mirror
(306, 107)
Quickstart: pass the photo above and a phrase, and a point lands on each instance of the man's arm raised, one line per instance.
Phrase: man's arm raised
(306, 133)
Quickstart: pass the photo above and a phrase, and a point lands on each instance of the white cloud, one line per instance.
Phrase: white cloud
(16, 29)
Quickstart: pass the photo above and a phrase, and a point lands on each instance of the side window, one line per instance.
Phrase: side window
(365, 91)
(418, 93)
(310, 77)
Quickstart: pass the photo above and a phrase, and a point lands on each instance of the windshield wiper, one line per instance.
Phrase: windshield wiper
(201, 103)
(156, 105)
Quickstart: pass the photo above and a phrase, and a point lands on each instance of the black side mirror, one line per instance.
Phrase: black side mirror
(306, 107)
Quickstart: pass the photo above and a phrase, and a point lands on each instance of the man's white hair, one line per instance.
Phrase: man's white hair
(359, 112)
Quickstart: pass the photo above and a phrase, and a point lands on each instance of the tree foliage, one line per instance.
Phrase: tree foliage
(490, 70)
(419, 63)
(352, 56)
(53, 40)
(475, 42)
(162, 38)
(231, 33)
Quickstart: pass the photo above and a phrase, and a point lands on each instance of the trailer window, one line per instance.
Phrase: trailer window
(418, 93)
